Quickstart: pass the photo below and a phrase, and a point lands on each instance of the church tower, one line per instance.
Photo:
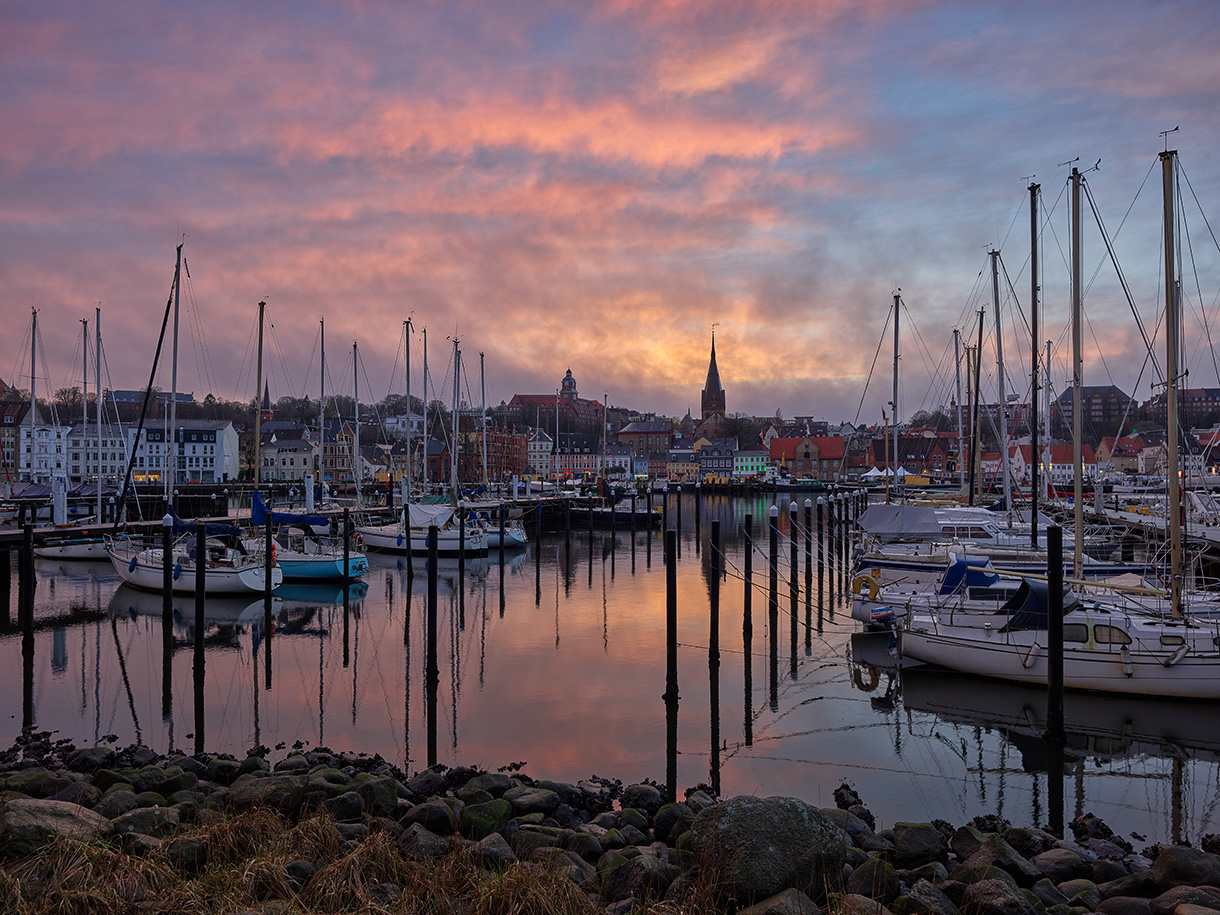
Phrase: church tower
(712, 399)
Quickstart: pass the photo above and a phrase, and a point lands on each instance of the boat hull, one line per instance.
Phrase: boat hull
(144, 569)
(392, 539)
(1163, 659)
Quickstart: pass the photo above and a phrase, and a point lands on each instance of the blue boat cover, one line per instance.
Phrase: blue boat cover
(260, 516)
(1030, 606)
(959, 575)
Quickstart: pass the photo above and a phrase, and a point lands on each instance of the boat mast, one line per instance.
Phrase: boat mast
(406, 333)
(427, 429)
(957, 368)
(97, 368)
(258, 402)
(1077, 377)
(33, 399)
(84, 326)
(356, 441)
(555, 451)
(1168, 159)
(1033, 396)
(897, 462)
(605, 405)
(999, 358)
(172, 477)
(976, 461)
(322, 403)
(453, 455)
(483, 386)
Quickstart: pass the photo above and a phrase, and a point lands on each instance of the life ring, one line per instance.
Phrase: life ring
(863, 584)
(857, 677)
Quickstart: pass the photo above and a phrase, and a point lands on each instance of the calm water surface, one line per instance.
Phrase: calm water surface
(558, 660)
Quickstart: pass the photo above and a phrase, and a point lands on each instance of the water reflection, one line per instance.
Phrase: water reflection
(557, 657)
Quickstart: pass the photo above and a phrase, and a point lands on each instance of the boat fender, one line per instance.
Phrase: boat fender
(400, 538)
(1125, 656)
(177, 570)
(865, 584)
(131, 566)
(857, 677)
(1178, 654)
(360, 542)
(1030, 656)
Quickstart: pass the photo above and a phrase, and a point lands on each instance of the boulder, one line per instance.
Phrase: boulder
(187, 856)
(761, 846)
(380, 795)
(81, 793)
(434, 815)
(926, 899)
(477, 821)
(493, 851)
(346, 808)
(918, 843)
(855, 904)
(494, 783)
(26, 824)
(1082, 892)
(1168, 901)
(641, 877)
(116, 803)
(158, 822)
(996, 897)
(966, 841)
(1140, 884)
(876, 879)
(789, 902)
(417, 842)
(1060, 864)
(1177, 865)
(1125, 905)
(283, 793)
(526, 799)
(646, 797)
(995, 852)
(90, 759)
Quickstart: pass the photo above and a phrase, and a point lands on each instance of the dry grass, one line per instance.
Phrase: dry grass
(245, 870)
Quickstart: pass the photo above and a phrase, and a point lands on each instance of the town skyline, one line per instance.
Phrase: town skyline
(596, 188)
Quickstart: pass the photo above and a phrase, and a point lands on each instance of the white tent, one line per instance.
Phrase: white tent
(873, 473)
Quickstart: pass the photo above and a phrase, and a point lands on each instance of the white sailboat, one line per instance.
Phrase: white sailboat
(1108, 647)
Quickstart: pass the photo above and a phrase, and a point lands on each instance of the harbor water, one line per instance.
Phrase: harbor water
(557, 659)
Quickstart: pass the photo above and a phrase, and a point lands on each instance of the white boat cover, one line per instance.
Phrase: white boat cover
(427, 515)
(900, 522)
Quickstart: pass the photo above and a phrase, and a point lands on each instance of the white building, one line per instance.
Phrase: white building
(84, 463)
(286, 459)
(750, 463)
(541, 447)
(206, 451)
(49, 455)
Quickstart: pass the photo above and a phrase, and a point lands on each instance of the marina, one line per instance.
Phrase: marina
(557, 657)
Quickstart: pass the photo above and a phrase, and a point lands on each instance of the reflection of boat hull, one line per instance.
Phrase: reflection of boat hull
(1096, 725)
(620, 515)
(514, 538)
(145, 569)
(1163, 658)
(304, 593)
(224, 610)
(79, 548)
(392, 539)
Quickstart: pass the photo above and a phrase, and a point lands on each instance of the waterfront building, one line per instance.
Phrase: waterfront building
(540, 450)
(198, 451)
(644, 437)
(84, 464)
(12, 419)
(46, 455)
(750, 463)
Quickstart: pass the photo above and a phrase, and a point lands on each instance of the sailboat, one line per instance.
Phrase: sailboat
(456, 536)
(1107, 646)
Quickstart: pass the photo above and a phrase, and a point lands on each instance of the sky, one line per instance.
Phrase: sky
(593, 186)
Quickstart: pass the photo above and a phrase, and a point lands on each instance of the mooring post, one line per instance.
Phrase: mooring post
(269, 564)
(793, 583)
(347, 548)
(1055, 737)
(26, 586)
(671, 664)
(201, 590)
(821, 554)
(167, 566)
(773, 604)
(747, 621)
(503, 512)
(713, 654)
(432, 670)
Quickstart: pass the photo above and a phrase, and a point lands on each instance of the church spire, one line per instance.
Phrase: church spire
(712, 400)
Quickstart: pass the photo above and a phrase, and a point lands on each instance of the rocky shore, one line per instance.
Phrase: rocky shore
(617, 848)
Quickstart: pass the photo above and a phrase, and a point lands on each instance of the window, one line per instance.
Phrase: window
(1110, 635)
(1075, 632)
